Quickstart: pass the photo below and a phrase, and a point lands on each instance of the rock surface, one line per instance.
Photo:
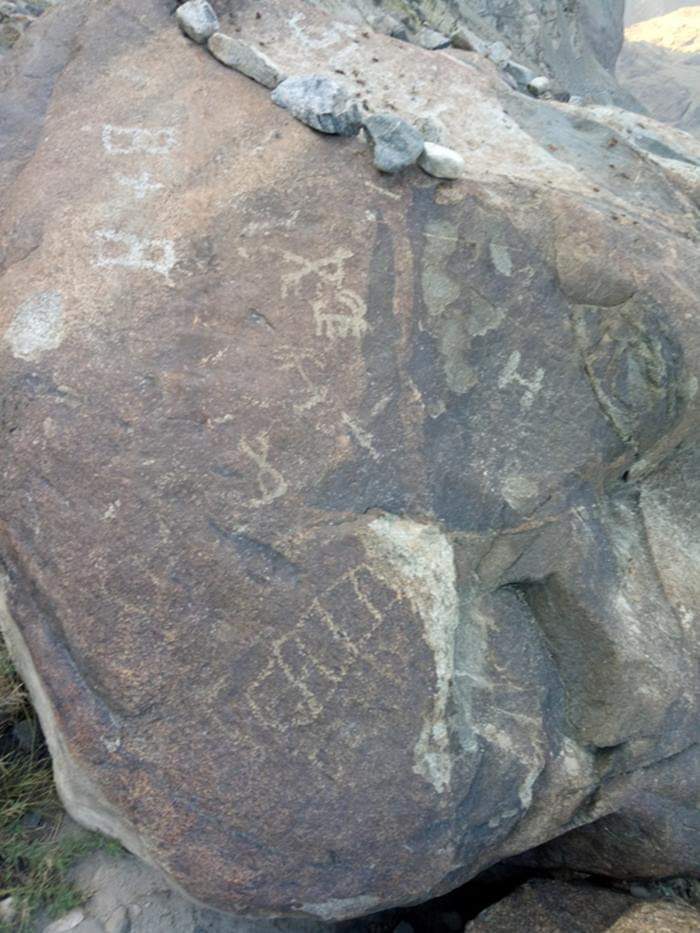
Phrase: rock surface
(660, 65)
(560, 907)
(348, 523)
(576, 42)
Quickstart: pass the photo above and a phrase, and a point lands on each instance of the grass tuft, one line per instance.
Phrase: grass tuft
(35, 856)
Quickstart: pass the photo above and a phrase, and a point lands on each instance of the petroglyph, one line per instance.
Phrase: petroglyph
(37, 326)
(334, 324)
(511, 376)
(363, 438)
(294, 359)
(270, 481)
(126, 140)
(338, 312)
(141, 185)
(127, 250)
(305, 666)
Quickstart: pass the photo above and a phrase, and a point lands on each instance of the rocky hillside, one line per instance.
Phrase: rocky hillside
(660, 65)
(350, 444)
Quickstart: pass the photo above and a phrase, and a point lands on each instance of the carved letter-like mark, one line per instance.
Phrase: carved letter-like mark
(510, 375)
(127, 250)
(271, 482)
(302, 669)
(294, 359)
(125, 140)
(141, 186)
(337, 323)
(338, 311)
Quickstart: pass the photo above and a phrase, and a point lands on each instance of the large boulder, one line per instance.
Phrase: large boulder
(348, 522)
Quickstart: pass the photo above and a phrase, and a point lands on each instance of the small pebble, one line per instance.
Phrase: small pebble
(8, 910)
(245, 58)
(396, 144)
(441, 162)
(66, 923)
(197, 20)
(539, 85)
(523, 76)
(319, 102)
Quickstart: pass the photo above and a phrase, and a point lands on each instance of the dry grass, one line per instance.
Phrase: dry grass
(34, 856)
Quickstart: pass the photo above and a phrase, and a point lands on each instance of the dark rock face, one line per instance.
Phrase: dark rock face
(558, 907)
(347, 523)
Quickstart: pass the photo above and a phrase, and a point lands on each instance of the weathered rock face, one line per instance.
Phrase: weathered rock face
(577, 42)
(660, 65)
(558, 907)
(348, 522)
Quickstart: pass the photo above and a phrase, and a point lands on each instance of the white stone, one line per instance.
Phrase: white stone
(66, 923)
(539, 85)
(8, 910)
(197, 20)
(440, 161)
(245, 58)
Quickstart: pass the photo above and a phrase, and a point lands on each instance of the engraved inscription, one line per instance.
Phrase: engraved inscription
(270, 481)
(125, 140)
(127, 250)
(338, 311)
(141, 186)
(511, 375)
(304, 668)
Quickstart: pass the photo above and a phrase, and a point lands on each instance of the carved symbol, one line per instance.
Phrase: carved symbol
(293, 359)
(127, 250)
(331, 321)
(125, 140)
(271, 482)
(304, 668)
(510, 375)
(141, 185)
(335, 324)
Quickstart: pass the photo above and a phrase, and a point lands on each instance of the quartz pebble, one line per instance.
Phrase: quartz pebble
(396, 144)
(245, 58)
(538, 86)
(197, 20)
(319, 102)
(441, 162)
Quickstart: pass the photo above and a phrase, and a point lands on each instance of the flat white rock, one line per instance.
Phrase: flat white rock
(440, 161)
